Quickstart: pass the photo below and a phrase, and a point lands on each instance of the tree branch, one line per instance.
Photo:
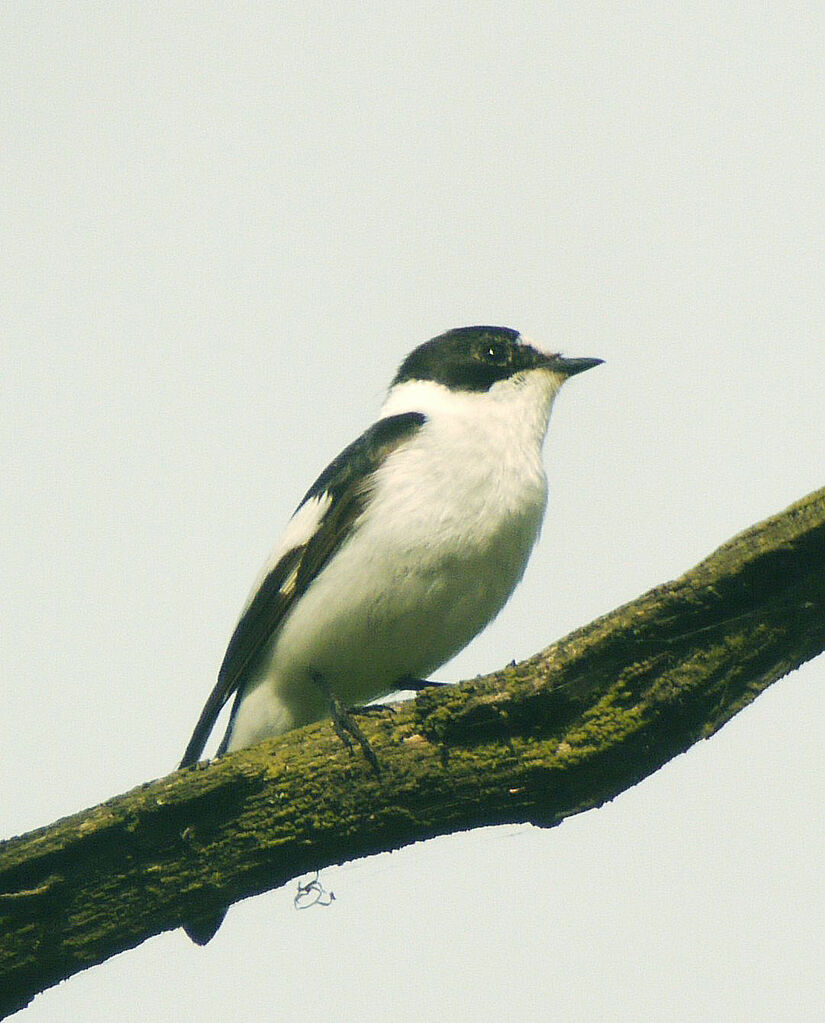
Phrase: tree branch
(555, 735)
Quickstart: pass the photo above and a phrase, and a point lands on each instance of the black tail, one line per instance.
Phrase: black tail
(206, 722)
(203, 929)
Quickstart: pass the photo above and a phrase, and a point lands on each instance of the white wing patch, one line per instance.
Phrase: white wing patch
(300, 529)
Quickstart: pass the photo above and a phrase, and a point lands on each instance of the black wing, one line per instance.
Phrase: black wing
(347, 481)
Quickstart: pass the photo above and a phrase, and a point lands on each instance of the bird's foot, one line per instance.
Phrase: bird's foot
(345, 725)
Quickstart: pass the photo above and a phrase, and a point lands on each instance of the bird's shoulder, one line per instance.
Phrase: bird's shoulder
(358, 461)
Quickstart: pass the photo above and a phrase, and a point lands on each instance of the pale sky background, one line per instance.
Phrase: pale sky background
(223, 226)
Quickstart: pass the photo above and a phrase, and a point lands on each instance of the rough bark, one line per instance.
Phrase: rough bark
(538, 741)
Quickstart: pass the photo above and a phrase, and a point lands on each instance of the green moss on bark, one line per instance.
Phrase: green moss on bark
(560, 733)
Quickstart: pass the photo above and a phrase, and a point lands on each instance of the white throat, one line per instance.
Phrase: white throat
(518, 408)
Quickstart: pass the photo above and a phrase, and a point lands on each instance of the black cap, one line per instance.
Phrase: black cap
(474, 358)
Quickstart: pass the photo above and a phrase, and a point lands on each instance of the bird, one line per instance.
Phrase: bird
(406, 546)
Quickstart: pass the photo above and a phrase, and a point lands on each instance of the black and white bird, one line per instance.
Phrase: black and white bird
(406, 545)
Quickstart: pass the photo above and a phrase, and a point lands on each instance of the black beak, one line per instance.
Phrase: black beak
(570, 367)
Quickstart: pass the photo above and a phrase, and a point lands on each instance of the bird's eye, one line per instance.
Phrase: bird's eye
(497, 353)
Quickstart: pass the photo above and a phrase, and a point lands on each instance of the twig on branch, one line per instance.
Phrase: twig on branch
(559, 733)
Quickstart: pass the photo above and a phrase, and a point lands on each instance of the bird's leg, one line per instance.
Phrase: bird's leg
(345, 725)
(417, 684)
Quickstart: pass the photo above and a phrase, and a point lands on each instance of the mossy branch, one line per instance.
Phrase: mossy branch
(557, 734)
